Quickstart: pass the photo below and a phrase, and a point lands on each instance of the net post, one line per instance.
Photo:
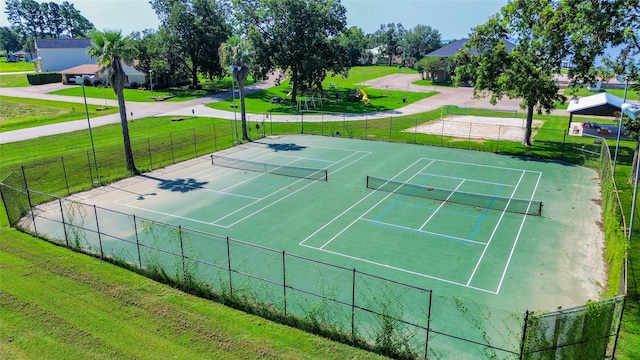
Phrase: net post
(540, 209)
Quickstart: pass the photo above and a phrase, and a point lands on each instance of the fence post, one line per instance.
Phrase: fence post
(90, 172)
(302, 122)
(173, 159)
(64, 225)
(426, 342)
(390, 127)
(229, 264)
(95, 211)
(149, 151)
(195, 142)
(322, 125)
(215, 138)
(415, 133)
(556, 330)
(26, 188)
(184, 267)
(353, 305)
(135, 228)
(64, 171)
(615, 342)
(344, 122)
(366, 127)
(284, 283)
(564, 141)
(524, 333)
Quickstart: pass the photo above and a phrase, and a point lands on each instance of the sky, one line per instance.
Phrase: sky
(452, 18)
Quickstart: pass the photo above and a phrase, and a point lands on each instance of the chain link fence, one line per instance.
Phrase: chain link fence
(386, 316)
(344, 304)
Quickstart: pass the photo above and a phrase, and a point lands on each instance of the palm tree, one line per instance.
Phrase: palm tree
(237, 54)
(111, 49)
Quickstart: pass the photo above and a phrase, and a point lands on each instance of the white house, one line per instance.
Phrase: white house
(58, 54)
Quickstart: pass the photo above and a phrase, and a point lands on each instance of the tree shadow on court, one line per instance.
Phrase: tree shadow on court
(178, 185)
(286, 147)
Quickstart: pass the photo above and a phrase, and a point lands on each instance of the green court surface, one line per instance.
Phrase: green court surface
(504, 259)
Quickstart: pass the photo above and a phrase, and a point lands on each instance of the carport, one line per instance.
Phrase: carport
(601, 104)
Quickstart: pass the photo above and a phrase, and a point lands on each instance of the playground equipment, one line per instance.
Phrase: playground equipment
(365, 98)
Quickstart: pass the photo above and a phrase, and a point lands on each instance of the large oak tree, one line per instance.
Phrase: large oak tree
(545, 33)
(196, 28)
(298, 36)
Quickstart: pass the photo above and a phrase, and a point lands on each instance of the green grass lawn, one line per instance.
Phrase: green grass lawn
(137, 95)
(13, 80)
(582, 92)
(15, 66)
(380, 100)
(22, 113)
(68, 305)
(431, 83)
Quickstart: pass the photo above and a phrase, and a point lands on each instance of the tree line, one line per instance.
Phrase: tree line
(30, 20)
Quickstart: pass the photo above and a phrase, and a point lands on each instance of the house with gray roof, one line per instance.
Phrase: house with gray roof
(450, 50)
(53, 55)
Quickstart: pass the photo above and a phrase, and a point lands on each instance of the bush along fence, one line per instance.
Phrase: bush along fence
(382, 315)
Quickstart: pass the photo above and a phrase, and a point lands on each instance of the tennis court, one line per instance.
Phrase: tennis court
(508, 232)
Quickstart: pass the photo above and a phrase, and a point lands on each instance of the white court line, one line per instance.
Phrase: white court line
(424, 232)
(441, 205)
(400, 269)
(504, 273)
(468, 180)
(495, 229)
(371, 208)
(487, 166)
(261, 199)
(290, 194)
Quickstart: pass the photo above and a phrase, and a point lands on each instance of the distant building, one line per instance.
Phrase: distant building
(54, 55)
(450, 50)
(92, 72)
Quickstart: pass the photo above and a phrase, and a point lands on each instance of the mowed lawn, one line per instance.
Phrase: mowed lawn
(22, 113)
(338, 96)
(58, 304)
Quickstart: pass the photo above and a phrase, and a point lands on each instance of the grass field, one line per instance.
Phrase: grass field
(138, 95)
(22, 113)
(13, 80)
(18, 66)
(57, 304)
(380, 100)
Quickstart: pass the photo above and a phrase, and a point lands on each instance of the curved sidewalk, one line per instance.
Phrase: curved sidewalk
(401, 82)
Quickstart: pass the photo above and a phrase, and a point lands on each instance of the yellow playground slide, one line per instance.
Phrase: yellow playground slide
(365, 98)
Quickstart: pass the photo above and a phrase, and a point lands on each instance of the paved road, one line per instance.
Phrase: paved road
(403, 82)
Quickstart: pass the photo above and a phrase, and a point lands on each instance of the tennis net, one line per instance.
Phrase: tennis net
(520, 206)
(284, 170)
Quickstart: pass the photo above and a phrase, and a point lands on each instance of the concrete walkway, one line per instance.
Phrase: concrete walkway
(401, 82)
